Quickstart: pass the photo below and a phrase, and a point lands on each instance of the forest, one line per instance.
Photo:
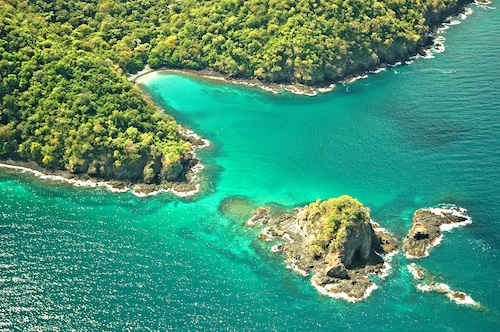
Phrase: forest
(65, 101)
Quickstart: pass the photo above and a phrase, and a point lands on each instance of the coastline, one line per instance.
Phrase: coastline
(185, 189)
(192, 186)
(433, 45)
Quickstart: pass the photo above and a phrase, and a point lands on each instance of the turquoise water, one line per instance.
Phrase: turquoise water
(410, 137)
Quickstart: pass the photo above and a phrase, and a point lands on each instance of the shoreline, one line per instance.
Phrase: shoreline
(192, 184)
(188, 188)
(327, 290)
(185, 189)
(432, 46)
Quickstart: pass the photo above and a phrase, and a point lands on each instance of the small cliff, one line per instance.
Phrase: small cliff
(334, 240)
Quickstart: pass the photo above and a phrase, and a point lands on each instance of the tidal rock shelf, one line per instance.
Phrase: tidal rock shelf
(334, 241)
(427, 227)
(427, 283)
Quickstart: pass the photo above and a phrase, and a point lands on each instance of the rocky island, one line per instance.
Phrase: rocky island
(334, 240)
(427, 227)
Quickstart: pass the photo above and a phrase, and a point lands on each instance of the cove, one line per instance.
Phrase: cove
(410, 137)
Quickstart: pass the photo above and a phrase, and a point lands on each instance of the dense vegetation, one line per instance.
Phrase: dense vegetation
(332, 219)
(65, 102)
(68, 108)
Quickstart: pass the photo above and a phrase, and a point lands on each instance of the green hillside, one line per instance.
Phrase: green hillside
(65, 101)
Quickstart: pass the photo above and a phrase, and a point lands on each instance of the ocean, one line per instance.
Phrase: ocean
(412, 136)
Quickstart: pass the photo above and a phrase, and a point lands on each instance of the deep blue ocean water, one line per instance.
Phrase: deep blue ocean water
(410, 137)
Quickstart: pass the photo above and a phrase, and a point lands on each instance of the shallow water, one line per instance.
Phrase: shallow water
(409, 137)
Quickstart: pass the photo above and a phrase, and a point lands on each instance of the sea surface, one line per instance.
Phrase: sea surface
(412, 136)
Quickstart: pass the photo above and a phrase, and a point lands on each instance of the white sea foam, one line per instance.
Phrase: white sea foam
(299, 90)
(457, 298)
(266, 234)
(395, 64)
(326, 89)
(434, 243)
(417, 275)
(287, 238)
(75, 182)
(184, 194)
(378, 70)
(441, 287)
(482, 2)
(424, 288)
(443, 28)
(455, 211)
(277, 248)
(300, 271)
(189, 133)
(384, 271)
(438, 47)
(376, 227)
(427, 54)
(104, 184)
(328, 290)
(410, 256)
(354, 79)
(467, 12)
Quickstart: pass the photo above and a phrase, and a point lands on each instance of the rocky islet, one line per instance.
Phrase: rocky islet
(337, 243)
(333, 240)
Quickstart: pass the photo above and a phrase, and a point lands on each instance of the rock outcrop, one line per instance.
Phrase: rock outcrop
(334, 240)
(425, 281)
(427, 227)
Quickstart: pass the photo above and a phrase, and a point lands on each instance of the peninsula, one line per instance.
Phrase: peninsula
(66, 105)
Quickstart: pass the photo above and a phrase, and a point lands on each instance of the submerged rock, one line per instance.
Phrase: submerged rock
(334, 240)
(427, 227)
(427, 283)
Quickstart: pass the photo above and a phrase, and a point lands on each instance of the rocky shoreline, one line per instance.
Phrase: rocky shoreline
(339, 265)
(436, 21)
(337, 245)
(186, 188)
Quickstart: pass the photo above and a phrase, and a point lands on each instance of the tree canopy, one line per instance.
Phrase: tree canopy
(332, 219)
(65, 101)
